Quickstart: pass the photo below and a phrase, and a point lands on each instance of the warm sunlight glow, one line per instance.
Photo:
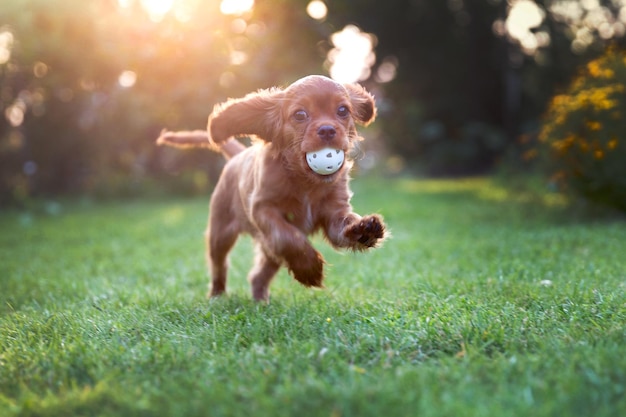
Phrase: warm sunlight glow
(236, 7)
(317, 10)
(183, 11)
(157, 8)
(352, 57)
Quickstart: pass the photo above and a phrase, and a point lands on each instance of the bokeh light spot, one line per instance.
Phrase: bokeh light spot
(6, 42)
(15, 113)
(317, 10)
(127, 79)
(256, 30)
(238, 26)
(524, 16)
(387, 70)
(352, 57)
(40, 69)
(238, 57)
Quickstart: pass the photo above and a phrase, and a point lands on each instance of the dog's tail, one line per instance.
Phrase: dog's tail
(199, 139)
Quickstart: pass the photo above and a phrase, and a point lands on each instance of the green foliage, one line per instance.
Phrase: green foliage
(584, 132)
(505, 309)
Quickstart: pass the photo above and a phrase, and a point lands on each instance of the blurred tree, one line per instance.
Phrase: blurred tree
(473, 75)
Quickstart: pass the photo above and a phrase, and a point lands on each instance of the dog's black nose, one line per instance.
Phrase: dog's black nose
(326, 132)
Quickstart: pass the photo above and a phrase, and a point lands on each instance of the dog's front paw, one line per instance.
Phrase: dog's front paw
(308, 268)
(369, 232)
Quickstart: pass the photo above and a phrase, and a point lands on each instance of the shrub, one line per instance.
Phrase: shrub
(583, 135)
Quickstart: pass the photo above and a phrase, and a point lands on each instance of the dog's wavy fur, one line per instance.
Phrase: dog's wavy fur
(268, 191)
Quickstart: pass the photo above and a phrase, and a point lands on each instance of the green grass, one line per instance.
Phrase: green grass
(486, 302)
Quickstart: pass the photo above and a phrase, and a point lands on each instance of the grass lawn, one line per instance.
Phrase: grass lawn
(486, 302)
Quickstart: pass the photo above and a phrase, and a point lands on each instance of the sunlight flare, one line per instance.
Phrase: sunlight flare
(236, 7)
(157, 9)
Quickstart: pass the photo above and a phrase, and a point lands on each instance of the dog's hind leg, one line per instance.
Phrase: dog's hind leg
(262, 274)
(220, 239)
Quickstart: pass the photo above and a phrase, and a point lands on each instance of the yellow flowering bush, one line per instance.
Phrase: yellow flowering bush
(584, 132)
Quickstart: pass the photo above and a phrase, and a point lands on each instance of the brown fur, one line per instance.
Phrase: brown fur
(268, 191)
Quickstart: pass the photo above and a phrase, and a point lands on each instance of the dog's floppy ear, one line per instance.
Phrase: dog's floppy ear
(363, 104)
(257, 114)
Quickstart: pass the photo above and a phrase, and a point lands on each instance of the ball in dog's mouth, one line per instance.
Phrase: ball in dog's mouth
(325, 161)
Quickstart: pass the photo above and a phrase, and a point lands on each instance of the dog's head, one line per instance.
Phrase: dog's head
(313, 113)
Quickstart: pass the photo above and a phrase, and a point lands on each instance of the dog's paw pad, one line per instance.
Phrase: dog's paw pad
(369, 231)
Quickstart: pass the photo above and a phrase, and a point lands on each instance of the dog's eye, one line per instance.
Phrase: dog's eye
(300, 115)
(343, 111)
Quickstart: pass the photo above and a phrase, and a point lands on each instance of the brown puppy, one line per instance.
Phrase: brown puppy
(269, 191)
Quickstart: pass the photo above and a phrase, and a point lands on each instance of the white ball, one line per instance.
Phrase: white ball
(325, 161)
